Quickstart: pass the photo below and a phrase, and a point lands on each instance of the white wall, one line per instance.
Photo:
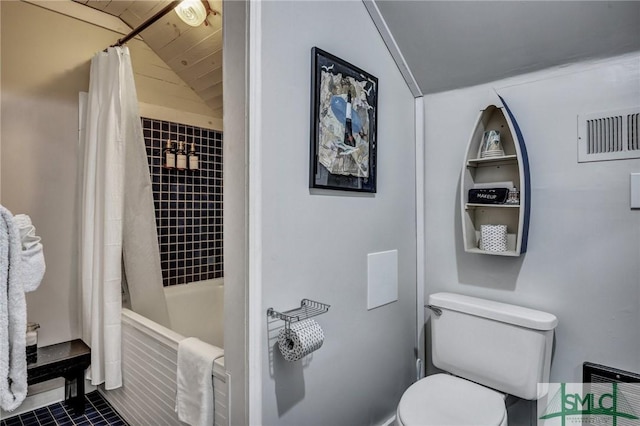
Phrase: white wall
(235, 208)
(583, 259)
(315, 245)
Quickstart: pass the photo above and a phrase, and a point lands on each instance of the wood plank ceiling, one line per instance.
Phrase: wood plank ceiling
(194, 53)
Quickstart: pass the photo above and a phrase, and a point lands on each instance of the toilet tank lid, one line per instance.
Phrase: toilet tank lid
(504, 312)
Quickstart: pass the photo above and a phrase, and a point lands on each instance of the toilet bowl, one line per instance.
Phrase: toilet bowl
(487, 349)
(444, 400)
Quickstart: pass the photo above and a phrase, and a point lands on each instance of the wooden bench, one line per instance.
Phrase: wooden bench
(66, 359)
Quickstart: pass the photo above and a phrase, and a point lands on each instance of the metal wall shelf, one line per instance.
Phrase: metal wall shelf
(308, 308)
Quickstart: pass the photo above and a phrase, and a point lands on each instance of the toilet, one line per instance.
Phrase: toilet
(487, 349)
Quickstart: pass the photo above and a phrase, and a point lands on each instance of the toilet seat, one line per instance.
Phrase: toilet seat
(445, 400)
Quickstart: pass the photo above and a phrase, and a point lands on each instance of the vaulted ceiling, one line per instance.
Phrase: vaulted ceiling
(445, 44)
(193, 53)
(453, 44)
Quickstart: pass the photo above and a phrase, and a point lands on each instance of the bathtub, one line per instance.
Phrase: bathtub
(150, 354)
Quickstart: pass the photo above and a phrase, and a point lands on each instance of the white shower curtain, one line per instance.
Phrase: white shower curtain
(102, 211)
(113, 221)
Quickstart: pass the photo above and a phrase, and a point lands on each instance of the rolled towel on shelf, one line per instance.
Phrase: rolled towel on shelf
(33, 264)
(23, 222)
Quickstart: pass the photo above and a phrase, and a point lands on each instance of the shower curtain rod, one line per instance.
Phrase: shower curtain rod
(169, 7)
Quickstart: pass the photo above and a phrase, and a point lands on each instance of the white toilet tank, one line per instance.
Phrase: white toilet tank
(502, 346)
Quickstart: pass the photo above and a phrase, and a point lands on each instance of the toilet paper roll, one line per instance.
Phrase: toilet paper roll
(302, 338)
(493, 238)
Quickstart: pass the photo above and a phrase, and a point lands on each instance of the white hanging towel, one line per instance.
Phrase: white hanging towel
(32, 255)
(13, 316)
(194, 400)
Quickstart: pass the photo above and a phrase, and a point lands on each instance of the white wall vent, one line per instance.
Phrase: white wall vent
(609, 135)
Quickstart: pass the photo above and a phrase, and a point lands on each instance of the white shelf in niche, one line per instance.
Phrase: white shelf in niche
(511, 253)
(491, 206)
(496, 161)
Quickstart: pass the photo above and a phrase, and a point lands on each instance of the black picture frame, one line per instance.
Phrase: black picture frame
(343, 152)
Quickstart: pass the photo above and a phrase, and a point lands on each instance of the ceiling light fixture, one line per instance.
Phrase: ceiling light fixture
(192, 12)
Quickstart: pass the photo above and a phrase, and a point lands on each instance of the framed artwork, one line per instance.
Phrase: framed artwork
(344, 114)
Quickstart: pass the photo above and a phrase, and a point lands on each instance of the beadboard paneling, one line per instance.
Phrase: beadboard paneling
(149, 370)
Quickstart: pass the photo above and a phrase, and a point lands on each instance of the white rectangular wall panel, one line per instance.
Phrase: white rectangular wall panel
(382, 278)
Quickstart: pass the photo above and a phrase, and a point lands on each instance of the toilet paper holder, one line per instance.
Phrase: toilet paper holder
(308, 308)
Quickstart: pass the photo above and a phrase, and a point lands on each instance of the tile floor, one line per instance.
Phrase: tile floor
(98, 412)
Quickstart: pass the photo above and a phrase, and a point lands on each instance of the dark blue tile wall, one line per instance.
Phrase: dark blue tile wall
(188, 203)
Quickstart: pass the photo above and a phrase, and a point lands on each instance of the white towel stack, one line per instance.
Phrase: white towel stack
(194, 400)
(21, 269)
(13, 316)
